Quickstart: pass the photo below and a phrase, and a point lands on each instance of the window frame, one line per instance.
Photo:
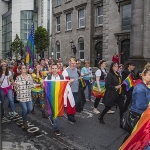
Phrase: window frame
(79, 25)
(57, 52)
(81, 40)
(57, 25)
(126, 19)
(67, 22)
(99, 16)
(58, 2)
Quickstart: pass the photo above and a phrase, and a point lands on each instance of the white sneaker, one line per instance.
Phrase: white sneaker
(110, 112)
(96, 111)
(13, 113)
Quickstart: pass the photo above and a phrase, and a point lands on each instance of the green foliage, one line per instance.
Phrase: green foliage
(17, 47)
(41, 39)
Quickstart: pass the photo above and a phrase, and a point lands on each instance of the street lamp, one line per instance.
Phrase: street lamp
(73, 47)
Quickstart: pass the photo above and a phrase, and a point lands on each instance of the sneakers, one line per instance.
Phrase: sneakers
(110, 112)
(91, 100)
(13, 113)
(51, 121)
(57, 132)
(96, 111)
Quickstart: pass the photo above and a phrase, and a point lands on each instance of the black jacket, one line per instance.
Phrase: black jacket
(111, 95)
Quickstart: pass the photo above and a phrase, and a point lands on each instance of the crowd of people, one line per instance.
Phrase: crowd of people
(20, 83)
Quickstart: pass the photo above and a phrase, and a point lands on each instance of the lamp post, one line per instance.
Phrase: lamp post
(73, 48)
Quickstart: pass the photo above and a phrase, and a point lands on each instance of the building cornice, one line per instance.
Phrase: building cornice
(68, 10)
(99, 3)
(122, 2)
(81, 6)
(57, 14)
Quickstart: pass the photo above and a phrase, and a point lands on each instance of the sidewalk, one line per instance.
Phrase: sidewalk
(17, 146)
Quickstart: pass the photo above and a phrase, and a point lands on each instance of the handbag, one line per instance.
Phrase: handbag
(95, 91)
(129, 120)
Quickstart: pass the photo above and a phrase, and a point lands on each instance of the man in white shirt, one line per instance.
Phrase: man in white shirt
(54, 76)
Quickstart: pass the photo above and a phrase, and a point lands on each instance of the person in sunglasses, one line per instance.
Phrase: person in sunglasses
(6, 88)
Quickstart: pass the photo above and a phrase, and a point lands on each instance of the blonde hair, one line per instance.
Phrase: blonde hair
(146, 69)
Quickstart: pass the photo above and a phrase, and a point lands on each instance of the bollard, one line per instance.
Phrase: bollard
(0, 125)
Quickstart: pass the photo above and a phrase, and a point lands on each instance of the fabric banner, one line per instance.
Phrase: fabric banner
(95, 91)
(55, 96)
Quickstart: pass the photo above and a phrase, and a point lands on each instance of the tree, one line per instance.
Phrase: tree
(17, 47)
(41, 39)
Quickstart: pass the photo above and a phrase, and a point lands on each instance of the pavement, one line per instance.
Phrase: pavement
(86, 134)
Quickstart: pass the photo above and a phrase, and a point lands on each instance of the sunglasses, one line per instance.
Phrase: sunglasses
(4, 65)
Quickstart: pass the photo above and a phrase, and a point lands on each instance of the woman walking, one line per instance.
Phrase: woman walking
(24, 84)
(100, 75)
(86, 73)
(113, 91)
(38, 92)
(128, 70)
(6, 87)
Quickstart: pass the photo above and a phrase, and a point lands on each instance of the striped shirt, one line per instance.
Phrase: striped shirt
(23, 88)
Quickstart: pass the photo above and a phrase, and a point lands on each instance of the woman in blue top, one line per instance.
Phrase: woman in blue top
(141, 95)
(86, 73)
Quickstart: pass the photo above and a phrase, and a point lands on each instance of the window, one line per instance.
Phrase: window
(126, 17)
(6, 36)
(58, 2)
(68, 20)
(58, 24)
(81, 48)
(81, 18)
(57, 49)
(26, 23)
(100, 15)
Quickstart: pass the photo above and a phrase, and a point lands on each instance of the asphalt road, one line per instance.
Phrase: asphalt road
(86, 134)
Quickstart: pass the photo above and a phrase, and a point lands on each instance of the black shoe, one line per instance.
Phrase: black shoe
(101, 119)
(57, 132)
(71, 120)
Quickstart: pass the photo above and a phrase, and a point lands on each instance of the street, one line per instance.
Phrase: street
(86, 134)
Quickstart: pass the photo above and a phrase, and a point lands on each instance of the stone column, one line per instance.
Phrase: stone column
(146, 46)
(137, 22)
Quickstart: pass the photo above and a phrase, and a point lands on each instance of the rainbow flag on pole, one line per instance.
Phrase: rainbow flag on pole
(95, 91)
(55, 96)
(128, 82)
(30, 48)
(140, 136)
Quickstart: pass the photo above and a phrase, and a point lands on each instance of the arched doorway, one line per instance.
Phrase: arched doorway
(125, 47)
(98, 50)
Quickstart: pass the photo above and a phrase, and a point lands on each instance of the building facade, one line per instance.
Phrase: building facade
(17, 17)
(102, 27)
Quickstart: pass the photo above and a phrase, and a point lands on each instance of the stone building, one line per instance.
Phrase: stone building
(101, 26)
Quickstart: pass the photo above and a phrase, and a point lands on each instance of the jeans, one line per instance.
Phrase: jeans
(89, 88)
(26, 109)
(55, 121)
(75, 95)
(10, 98)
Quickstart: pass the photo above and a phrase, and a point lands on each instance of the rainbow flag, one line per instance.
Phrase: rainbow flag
(30, 48)
(82, 82)
(55, 96)
(95, 91)
(140, 136)
(128, 82)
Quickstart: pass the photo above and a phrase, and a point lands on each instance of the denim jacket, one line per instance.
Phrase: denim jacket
(140, 98)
